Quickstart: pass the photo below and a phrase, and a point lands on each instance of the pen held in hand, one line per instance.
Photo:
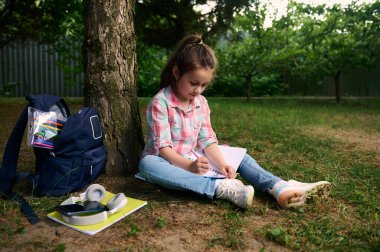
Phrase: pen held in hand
(210, 167)
(202, 160)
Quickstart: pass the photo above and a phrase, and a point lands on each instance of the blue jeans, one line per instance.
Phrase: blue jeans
(157, 170)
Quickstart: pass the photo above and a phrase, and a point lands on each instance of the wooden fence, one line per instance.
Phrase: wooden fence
(28, 68)
(31, 69)
(357, 82)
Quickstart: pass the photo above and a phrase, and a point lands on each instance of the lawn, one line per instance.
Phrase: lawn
(303, 139)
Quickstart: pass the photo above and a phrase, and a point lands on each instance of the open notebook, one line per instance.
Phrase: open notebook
(232, 155)
(131, 206)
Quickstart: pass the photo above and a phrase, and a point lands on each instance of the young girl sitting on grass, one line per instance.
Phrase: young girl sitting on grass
(178, 120)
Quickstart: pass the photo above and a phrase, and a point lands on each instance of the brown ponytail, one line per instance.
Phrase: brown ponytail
(191, 53)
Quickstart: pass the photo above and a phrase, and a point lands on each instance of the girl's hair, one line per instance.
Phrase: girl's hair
(191, 53)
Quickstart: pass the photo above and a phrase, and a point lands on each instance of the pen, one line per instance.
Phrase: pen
(210, 167)
(195, 154)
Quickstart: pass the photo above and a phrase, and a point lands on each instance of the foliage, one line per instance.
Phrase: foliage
(7, 89)
(305, 45)
(251, 49)
(150, 61)
(267, 85)
(19, 19)
(308, 43)
(66, 37)
(226, 85)
(35, 19)
(164, 23)
(332, 40)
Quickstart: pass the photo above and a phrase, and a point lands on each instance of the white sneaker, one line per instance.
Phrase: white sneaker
(235, 191)
(320, 189)
(293, 193)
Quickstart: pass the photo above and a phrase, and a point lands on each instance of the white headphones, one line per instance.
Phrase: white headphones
(97, 193)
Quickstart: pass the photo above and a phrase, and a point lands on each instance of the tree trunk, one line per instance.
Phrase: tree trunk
(248, 83)
(337, 87)
(109, 60)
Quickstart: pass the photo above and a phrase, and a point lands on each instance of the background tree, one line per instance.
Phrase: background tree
(247, 50)
(337, 39)
(302, 26)
(37, 20)
(109, 53)
(164, 23)
(362, 25)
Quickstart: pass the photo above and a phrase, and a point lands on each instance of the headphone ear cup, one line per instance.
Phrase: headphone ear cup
(85, 220)
(117, 202)
(95, 192)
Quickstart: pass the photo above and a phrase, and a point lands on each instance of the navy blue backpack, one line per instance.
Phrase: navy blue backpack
(79, 155)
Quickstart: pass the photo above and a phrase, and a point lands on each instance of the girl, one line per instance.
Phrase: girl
(179, 121)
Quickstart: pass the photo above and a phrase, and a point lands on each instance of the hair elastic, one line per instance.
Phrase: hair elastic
(200, 42)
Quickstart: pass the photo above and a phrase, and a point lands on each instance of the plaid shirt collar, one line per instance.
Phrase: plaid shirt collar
(174, 102)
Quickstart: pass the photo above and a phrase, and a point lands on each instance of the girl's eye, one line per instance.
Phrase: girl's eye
(203, 85)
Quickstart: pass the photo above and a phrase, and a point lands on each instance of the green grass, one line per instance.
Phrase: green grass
(277, 134)
(302, 139)
(280, 134)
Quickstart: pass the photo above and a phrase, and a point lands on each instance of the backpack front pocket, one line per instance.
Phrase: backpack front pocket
(94, 162)
(54, 176)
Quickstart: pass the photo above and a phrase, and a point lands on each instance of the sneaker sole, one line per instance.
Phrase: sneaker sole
(308, 192)
(318, 191)
(250, 195)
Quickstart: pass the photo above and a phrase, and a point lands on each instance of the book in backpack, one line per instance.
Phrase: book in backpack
(68, 149)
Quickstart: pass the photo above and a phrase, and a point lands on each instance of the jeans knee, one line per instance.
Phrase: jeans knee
(144, 164)
(150, 163)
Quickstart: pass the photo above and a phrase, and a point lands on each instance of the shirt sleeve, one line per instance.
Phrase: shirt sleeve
(206, 134)
(158, 125)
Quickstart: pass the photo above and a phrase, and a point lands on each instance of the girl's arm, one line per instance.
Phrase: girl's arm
(213, 153)
(199, 166)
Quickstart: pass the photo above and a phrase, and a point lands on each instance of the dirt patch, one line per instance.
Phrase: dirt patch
(189, 223)
(352, 139)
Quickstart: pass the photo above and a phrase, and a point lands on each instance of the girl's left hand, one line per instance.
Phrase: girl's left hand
(228, 171)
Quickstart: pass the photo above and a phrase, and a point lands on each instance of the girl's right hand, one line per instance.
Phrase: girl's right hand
(199, 166)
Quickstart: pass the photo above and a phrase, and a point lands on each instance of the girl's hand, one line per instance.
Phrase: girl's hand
(199, 166)
(228, 171)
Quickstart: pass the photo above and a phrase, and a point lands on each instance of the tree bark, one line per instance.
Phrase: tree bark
(337, 87)
(109, 60)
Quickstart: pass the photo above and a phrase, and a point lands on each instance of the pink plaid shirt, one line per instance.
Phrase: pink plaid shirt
(182, 130)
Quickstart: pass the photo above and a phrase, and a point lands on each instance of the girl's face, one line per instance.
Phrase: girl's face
(191, 83)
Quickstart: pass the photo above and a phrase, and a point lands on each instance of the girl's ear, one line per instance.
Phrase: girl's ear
(176, 73)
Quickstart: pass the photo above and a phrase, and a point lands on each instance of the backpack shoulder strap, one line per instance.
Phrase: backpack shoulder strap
(9, 166)
(11, 153)
(25, 207)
